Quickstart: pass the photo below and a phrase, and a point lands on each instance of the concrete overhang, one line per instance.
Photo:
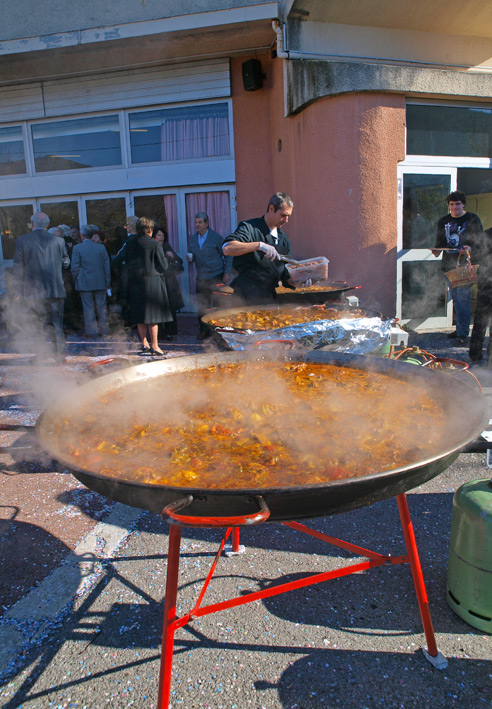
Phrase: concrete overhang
(469, 18)
(146, 43)
(309, 81)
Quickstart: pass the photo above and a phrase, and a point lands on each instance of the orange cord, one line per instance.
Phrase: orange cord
(414, 350)
(433, 362)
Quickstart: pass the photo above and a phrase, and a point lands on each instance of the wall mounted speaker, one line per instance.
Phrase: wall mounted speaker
(252, 75)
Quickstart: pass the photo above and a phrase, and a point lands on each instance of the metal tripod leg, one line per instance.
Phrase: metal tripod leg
(432, 653)
(235, 547)
(168, 627)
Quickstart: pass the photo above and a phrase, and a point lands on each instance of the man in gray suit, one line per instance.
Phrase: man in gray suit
(92, 274)
(37, 278)
(205, 251)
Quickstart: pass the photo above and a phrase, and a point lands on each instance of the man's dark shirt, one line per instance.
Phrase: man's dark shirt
(119, 258)
(456, 232)
(256, 266)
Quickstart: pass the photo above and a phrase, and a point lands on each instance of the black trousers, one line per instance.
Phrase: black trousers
(481, 321)
(49, 312)
(204, 288)
(254, 292)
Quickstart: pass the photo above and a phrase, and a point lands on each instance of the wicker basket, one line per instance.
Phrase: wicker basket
(462, 275)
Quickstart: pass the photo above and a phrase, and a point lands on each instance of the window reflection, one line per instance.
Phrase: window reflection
(109, 215)
(61, 213)
(449, 130)
(76, 144)
(14, 221)
(180, 133)
(12, 161)
(424, 203)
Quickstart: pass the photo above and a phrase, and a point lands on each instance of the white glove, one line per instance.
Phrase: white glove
(269, 251)
(109, 292)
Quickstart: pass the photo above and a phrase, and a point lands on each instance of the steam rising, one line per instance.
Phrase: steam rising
(28, 335)
(260, 424)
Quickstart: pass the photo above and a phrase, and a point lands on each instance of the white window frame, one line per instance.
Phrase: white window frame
(186, 104)
(430, 164)
(22, 126)
(59, 119)
(125, 138)
(181, 193)
(416, 255)
(119, 178)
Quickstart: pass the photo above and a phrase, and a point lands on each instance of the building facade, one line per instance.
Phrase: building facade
(366, 112)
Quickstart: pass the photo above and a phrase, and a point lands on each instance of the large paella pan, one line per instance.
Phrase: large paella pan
(157, 433)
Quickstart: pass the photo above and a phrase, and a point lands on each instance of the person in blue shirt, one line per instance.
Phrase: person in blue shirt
(212, 267)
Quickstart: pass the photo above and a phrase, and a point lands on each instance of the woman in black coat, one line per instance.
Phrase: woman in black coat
(175, 266)
(147, 291)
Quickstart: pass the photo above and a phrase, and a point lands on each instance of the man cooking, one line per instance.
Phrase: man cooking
(256, 246)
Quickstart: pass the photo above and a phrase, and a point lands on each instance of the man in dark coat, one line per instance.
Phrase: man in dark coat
(256, 246)
(37, 278)
(212, 267)
(92, 274)
(118, 263)
(483, 311)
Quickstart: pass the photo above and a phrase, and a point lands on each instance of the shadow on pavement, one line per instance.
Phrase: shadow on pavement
(25, 546)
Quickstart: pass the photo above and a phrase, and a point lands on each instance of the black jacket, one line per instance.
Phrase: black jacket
(38, 262)
(256, 267)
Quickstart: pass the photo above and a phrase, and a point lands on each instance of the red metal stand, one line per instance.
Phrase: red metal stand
(418, 578)
(235, 540)
(172, 622)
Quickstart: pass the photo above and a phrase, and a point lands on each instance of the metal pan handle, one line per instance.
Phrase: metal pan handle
(111, 363)
(288, 343)
(170, 514)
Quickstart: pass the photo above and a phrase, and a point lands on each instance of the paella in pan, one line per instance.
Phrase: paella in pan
(312, 435)
(258, 318)
(255, 425)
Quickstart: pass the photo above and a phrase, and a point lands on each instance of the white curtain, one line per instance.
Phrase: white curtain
(171, 220)
(185, 138)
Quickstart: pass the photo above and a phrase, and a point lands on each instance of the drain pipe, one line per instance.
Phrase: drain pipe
(279, 30)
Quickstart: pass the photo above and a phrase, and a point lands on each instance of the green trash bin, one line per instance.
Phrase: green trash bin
(469, 588)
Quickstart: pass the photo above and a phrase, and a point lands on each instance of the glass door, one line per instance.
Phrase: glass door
(108, 213)
(176, 210)
(166, 210)
(422, 299)
(61, 211)
(15, 219)
(217, 205)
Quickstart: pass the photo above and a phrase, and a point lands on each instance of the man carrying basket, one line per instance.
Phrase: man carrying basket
(457, 233)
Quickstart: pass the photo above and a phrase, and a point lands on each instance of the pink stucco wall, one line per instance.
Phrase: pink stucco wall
(338, 160)
(253, 141)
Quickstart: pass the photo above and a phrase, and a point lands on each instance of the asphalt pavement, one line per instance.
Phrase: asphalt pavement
(83, 579)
